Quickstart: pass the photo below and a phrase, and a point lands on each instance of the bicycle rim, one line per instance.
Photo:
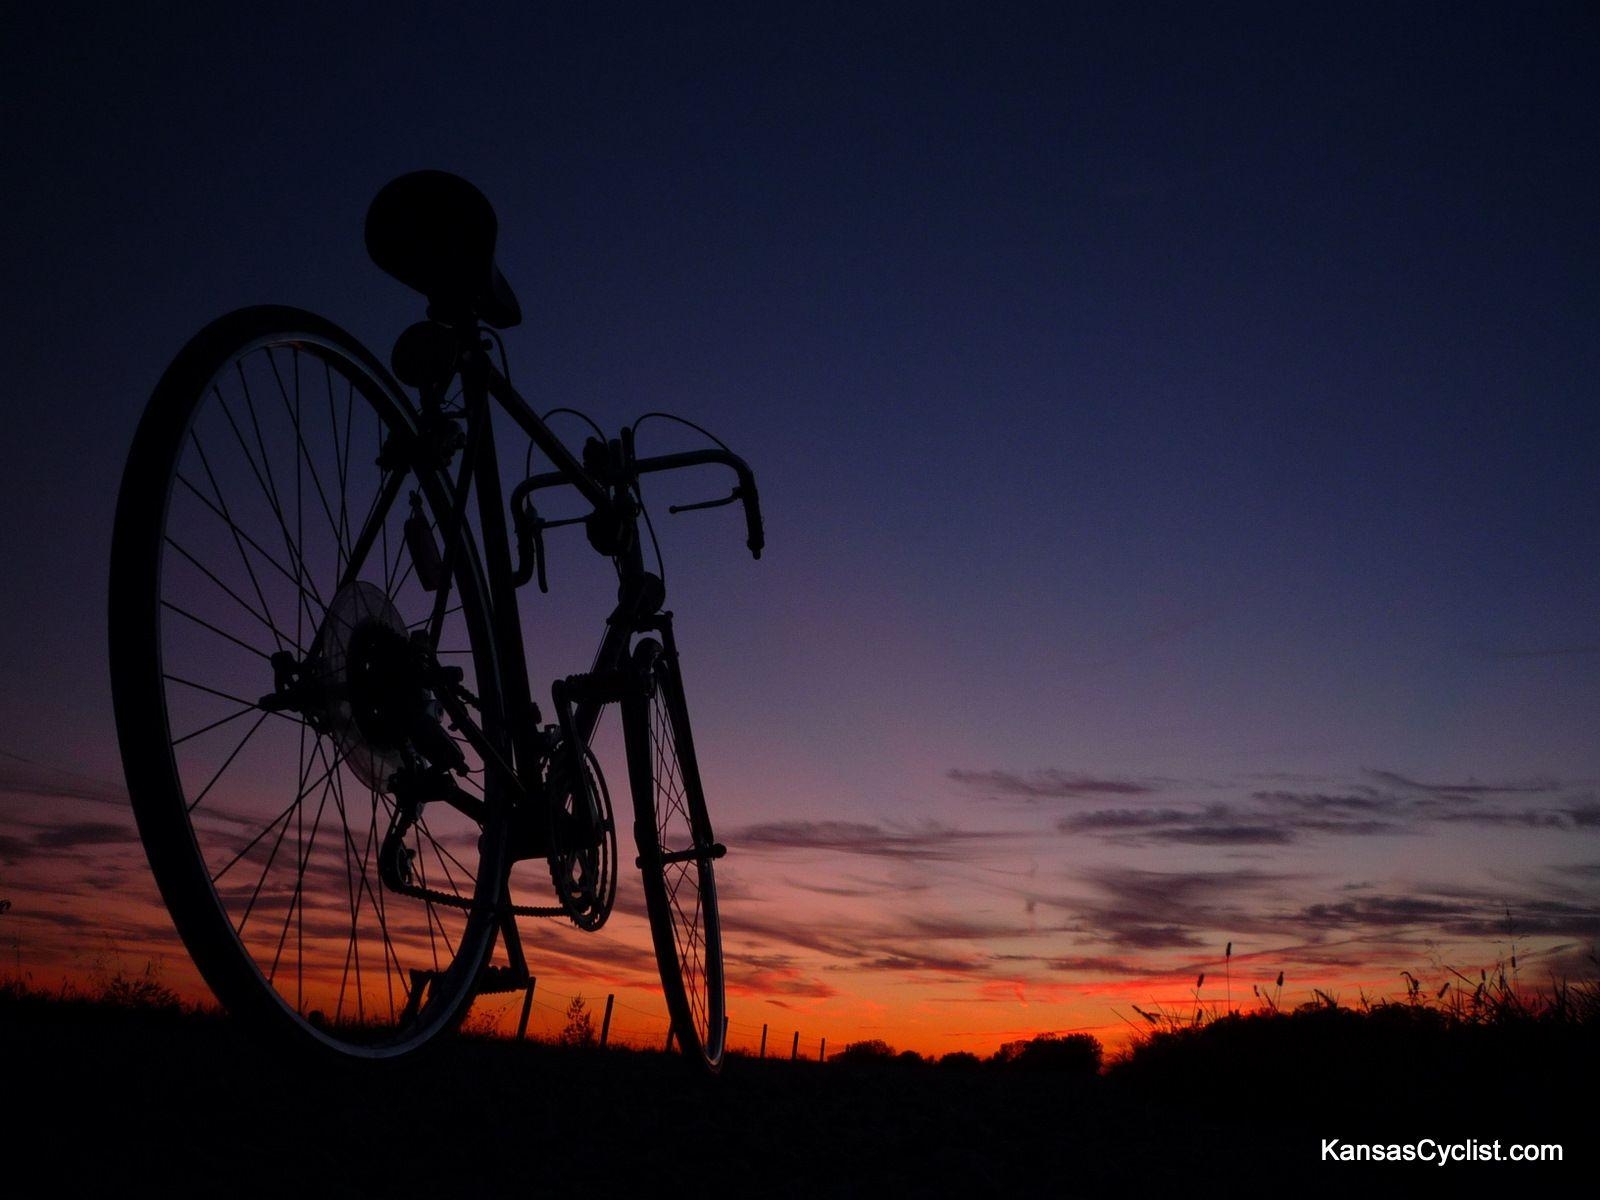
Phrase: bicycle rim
(252, 473)
(673, 831)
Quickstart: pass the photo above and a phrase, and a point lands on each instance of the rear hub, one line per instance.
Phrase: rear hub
(373, 693)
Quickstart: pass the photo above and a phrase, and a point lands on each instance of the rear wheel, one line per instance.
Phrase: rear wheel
(676, 853)
(274, 658)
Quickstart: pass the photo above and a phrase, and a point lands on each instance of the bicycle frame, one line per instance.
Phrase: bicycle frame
(515, 754)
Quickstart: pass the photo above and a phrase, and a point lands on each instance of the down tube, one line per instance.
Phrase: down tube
(612, 656)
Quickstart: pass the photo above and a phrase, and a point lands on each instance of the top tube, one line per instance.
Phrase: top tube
(566, 463)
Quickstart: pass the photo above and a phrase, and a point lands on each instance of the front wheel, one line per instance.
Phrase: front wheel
(676, 852)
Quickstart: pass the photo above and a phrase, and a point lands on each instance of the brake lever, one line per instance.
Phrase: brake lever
(530, 545)
(538, 556)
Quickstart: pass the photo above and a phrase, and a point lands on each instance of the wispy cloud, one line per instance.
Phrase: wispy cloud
(1367, 801)
(1268, 824)
(1588, 870)
(1472, 788)
(83, 833)
(777, 980)
(930, 842)
(1521, 818)
(1048, 784)
(1459, 914)
(852, 889)
(1401, 806)
(947, 947)
(1213, 825)
(1143, 910)
(19, 775)
(1087, 964)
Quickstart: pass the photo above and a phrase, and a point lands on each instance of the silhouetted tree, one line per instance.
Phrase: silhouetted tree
(579, 1029)
(960, 1060)
(1073, 1053)
(872, 1050)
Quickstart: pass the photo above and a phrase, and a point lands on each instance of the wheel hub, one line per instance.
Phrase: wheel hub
(373, 690)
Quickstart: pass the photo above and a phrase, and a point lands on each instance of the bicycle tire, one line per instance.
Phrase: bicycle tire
(191, 588)
(673, 832)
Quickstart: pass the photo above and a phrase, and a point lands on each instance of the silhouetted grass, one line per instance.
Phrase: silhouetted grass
(1482, 1053)
(185, 1103)
(141, 992)
(157, 1103)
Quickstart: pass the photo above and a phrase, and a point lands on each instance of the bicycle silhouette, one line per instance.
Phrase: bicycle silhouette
(322, 699)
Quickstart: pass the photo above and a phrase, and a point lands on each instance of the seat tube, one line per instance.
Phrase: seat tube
(520, 708)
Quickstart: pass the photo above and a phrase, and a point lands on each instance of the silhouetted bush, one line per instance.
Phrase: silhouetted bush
(579, 1029)
(139, 991)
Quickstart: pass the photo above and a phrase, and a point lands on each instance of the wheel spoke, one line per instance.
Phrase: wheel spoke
(375, 529)
(241, 538)
(195, 803)
(268, 828)
(277, 634)
(269, 491)
(201, 621)
(266, 869)
(178, 741)
(264, 479)
(274, 510)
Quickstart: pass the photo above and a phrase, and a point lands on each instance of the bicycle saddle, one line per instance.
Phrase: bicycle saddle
(435, 233)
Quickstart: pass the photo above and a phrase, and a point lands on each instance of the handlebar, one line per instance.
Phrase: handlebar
(745, 490)
(755, 535)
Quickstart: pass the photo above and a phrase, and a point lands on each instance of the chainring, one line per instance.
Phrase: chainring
(583, 837)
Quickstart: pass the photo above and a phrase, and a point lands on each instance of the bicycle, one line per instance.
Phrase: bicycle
(297, 556)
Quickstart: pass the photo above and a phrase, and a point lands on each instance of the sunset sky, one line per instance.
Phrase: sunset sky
(1176, 430)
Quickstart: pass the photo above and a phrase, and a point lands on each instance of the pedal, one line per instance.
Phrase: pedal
(493, 980)
(595, 687)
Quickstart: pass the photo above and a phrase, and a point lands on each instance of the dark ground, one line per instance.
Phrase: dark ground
(118, 1102)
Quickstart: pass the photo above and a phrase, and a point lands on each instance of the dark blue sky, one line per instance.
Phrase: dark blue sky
(1187, 391)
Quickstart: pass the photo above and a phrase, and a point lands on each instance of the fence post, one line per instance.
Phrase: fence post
(822, 1055)
(527, 1007)
(794, 1050)
(670, 1032)
(605, 1025)
(763, 1052)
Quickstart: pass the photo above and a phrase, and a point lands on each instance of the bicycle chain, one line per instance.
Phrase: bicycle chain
(451, 900)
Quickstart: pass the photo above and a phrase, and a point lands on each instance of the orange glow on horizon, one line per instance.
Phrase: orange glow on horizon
(822, 945)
